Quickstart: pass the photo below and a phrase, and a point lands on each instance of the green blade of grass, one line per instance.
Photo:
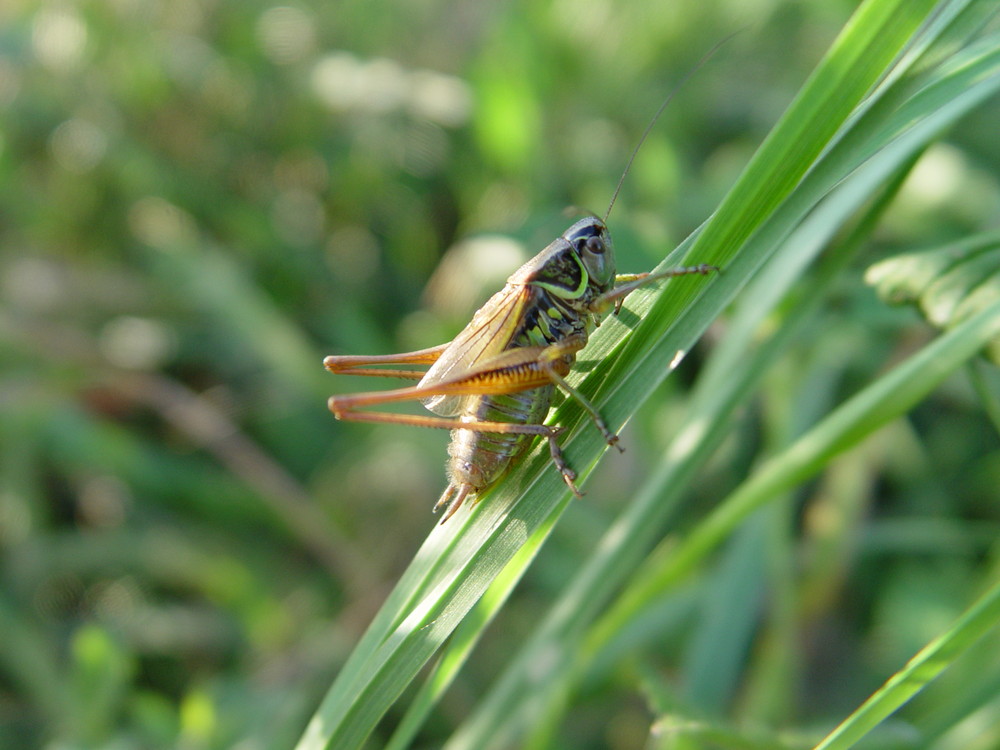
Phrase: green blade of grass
(931, 661)
(883, 401)
(465, 639)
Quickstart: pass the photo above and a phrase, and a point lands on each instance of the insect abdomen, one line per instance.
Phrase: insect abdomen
(479, 458)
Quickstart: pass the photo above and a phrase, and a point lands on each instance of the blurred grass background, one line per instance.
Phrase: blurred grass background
(199, 199)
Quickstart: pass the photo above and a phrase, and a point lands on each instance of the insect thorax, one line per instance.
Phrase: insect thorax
(551, 318)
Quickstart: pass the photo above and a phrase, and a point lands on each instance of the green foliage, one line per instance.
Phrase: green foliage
(200, 199)
(949, 284)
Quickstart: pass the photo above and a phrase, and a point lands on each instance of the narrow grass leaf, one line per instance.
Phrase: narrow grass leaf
(938, 655)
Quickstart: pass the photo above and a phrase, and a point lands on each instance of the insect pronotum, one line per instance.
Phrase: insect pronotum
(492, 384)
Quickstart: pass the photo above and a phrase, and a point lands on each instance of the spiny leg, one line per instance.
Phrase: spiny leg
(507, 372)
(629, 282)
(595, 416)
(556, 357)
(568, 475)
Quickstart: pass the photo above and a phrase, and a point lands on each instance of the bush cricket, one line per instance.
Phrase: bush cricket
(493, 383)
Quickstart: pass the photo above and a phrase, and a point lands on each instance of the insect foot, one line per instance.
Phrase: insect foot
(568, 475)
(613, 440)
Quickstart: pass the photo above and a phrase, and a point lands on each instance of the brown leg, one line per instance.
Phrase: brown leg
(358, 364)
(510, 371)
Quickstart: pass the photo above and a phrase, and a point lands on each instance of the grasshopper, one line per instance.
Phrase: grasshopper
(493, 383)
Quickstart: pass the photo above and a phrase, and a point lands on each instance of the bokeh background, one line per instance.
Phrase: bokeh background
(201, 198)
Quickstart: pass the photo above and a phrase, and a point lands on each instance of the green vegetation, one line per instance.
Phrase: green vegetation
(198, 200)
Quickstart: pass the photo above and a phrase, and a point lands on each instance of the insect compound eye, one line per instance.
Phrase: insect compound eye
(596, 258)
(592, 247)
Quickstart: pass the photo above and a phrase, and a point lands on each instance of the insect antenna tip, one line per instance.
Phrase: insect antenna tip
(670, 97)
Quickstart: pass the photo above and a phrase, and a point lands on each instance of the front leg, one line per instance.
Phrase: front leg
(629, 282)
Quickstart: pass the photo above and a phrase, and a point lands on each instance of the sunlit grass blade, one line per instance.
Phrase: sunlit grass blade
(938, 655)
(881, 402)
(884, 400)
(465, 639)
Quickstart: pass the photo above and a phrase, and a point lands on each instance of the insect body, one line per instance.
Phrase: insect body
(492, 385)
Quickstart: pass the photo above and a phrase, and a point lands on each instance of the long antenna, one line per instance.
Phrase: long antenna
(673, 92)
